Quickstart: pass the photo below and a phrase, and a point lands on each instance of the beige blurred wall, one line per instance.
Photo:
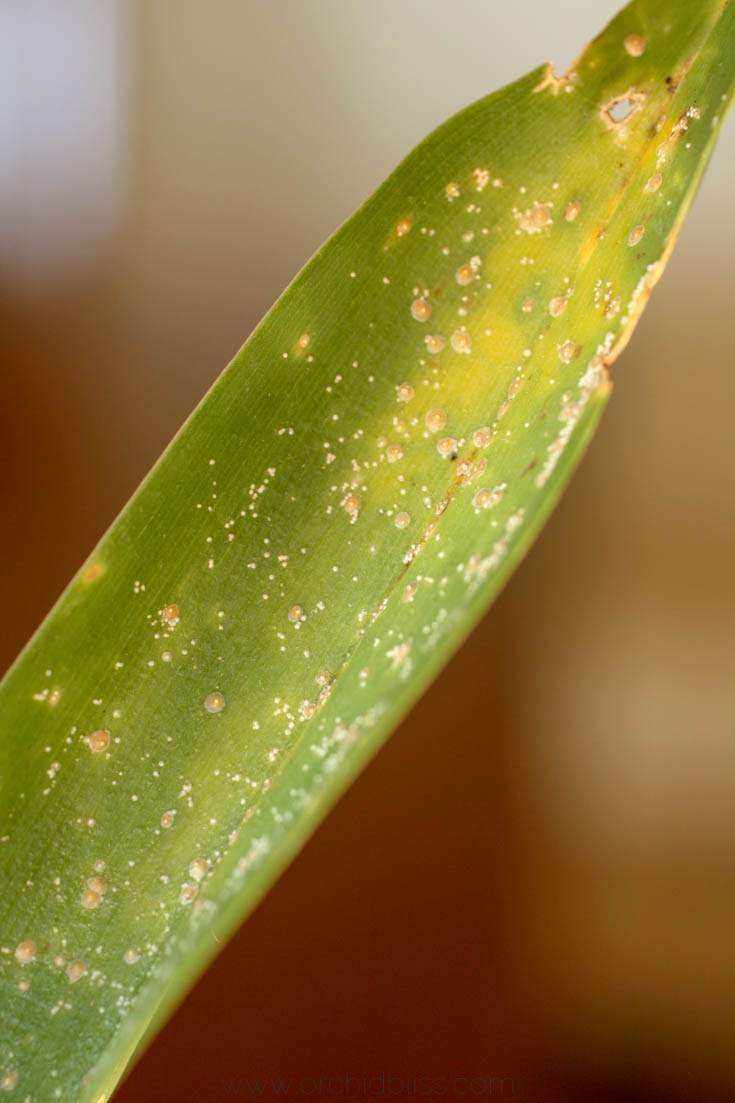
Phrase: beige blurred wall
(591, 841)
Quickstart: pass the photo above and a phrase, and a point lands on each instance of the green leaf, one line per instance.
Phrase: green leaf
(324, 532)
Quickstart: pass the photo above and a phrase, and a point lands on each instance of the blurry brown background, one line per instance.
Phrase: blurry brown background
(563, 911)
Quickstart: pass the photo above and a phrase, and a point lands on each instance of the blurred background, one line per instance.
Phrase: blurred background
(563, 914)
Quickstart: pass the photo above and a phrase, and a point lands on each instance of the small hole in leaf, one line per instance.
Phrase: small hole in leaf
(621, 109)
